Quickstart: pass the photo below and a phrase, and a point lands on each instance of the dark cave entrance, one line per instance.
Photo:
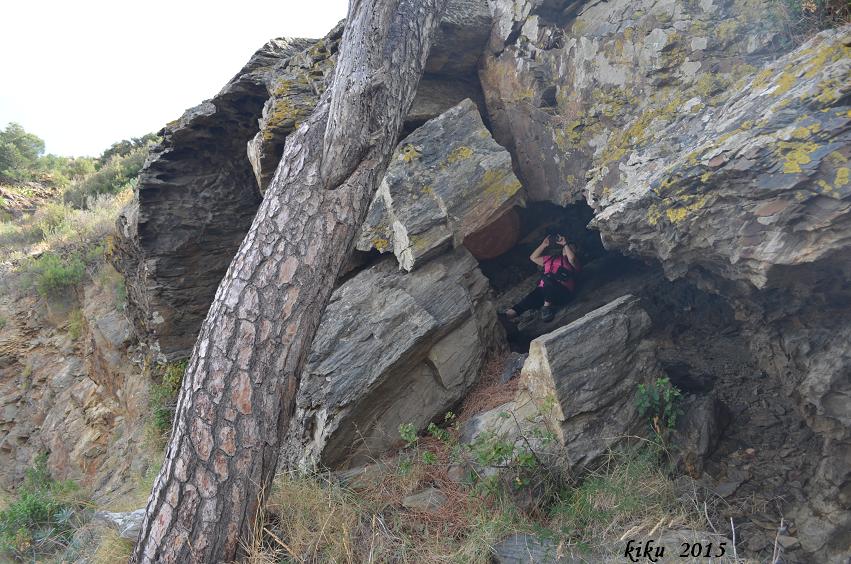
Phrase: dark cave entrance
(605, 275)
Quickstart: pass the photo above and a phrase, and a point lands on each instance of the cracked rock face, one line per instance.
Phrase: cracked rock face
(591, 368)
(758, 183)
(447, 180)
(565, 82)
(392, 348)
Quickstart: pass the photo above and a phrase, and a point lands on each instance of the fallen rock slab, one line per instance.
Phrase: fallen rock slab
(427, 500)
(127, 523)
(584, 377)
(392, 348)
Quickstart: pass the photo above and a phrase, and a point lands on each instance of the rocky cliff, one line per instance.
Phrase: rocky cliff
(693, 138)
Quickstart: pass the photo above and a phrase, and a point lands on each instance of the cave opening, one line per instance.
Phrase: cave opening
(503, 249)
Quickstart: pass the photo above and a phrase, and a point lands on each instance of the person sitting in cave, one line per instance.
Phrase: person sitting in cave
(556, 285)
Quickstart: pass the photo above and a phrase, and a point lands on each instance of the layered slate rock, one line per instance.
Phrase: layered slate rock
(565, 82)
(447, 180)
(392, 348)
(194, 201)
(591, 368)
(744, 190)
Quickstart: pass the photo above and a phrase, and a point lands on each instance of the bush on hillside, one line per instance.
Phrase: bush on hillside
(19, 151)
(118, 173)
(54, 275)
(44, 516)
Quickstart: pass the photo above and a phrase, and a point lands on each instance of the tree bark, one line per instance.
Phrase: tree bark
(238, 392)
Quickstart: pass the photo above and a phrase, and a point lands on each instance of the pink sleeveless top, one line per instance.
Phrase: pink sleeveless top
(551, 266)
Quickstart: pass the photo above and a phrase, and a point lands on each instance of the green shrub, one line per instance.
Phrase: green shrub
(3, 321)
(118, 173)
(53, 275)
(44, 516)
(660, 403)
(163, 396)
(18, 151)
(76, 323)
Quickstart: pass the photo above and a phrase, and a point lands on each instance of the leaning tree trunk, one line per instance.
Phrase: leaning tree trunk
(239, 389)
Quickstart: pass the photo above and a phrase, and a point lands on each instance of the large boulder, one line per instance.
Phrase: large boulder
(447, 180)
(585, 375)
(565, 82)
(748, 189)
(391, 348)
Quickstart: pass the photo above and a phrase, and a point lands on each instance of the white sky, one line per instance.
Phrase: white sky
(84, 74)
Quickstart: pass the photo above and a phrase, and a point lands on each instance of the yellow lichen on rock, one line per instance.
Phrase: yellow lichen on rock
(460, 153)
(409, 153)
(499, 185)
(784, 82)
(797, 154)
(380, 244)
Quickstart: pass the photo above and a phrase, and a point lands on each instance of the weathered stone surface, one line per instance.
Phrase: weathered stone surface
(447, 180)
(591, 368)
(80, 402)
(436, 94)
(741, 190)
(507, 421)
(698, 431)
(461, 38)
(522, 548)
(293, 94)
(428, 499)
(564, 82)
(392, 348)
(127, 523)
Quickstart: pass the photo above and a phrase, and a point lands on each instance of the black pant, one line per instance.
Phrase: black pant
(552, 292)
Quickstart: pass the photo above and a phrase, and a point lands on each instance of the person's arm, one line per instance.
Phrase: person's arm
(571, 257)
(536, 254)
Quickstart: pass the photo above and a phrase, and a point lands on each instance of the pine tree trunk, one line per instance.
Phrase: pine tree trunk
(239, 389)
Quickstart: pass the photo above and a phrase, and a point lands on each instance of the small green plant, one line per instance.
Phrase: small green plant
(408, 433)
(3, 321)
(405, 466)
(76, 322)
(660, 403)
(440, 434)
(53, 275)
(44, 516)
(163, 396)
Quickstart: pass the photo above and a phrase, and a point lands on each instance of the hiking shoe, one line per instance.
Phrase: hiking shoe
(547, 313)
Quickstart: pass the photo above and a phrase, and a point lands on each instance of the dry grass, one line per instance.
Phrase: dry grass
(315, 519)
(61, 228)
(111, 548)
(489, 393)
(311, 519)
